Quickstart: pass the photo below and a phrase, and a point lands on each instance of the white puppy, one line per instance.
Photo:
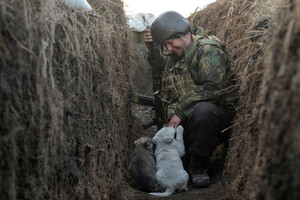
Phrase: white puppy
(170, 173)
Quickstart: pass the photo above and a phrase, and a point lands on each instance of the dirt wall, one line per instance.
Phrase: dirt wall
(65, 112)
(263, 39)
(64, 100)
(141, 71)
(276, 165)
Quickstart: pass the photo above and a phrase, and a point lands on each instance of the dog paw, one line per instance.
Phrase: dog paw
(179, 130)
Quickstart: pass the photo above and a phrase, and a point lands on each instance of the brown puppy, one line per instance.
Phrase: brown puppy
(142, 166)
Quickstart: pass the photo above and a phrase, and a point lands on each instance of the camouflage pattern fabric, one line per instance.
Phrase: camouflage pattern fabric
(204, 74)
(198, 31)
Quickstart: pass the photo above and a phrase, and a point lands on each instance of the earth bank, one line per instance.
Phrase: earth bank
(67, 125)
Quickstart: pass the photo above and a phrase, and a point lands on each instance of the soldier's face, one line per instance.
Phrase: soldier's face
(177, 46)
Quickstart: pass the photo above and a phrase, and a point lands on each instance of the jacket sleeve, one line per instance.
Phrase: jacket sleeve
(209, 74)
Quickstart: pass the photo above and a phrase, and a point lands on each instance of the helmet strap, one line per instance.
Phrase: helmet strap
(192, 39)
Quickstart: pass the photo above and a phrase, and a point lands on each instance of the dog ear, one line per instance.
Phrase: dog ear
(154, 140)
(148, 144)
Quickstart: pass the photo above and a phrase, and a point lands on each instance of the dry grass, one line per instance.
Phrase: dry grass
(64, 94)
(263, 39)
(64, 107)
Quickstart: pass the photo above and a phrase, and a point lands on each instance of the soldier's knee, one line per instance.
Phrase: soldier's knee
(202, 111)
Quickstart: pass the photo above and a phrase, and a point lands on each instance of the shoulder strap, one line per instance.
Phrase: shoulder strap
(194, 48)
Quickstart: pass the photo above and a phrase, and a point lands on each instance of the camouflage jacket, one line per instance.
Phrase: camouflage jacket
(205, 73)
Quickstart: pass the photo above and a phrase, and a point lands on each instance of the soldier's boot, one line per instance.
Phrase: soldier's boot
(198, 170)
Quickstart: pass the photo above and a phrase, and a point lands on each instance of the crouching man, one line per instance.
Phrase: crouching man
(198, 89)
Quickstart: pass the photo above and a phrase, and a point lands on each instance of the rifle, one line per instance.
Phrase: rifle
(154, 101)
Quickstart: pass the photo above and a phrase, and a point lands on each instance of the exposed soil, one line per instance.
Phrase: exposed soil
(64, 101)
(67, 126)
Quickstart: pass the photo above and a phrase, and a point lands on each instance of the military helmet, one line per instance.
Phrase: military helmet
(168, 24)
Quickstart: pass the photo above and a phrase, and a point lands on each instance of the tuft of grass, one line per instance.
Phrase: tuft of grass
(268, 7)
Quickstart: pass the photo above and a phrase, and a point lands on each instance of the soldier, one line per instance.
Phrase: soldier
(198, 89)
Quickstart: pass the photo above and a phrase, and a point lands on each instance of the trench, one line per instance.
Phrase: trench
(67, 125)
(142, 84)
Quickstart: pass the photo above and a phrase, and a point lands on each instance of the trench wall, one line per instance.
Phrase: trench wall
(64, 100)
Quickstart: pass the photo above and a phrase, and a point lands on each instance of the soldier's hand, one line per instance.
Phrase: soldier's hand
(174, 122)
(148, 38)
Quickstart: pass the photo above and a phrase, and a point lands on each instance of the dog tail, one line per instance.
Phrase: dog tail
(163, 194)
